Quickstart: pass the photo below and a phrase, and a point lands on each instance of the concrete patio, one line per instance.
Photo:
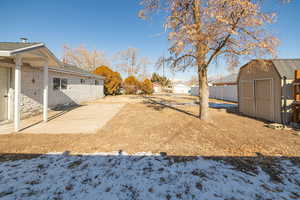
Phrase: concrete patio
(86, 119)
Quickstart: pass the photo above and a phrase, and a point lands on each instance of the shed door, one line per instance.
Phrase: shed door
(3, 93)
(246, 104)
(263, 99)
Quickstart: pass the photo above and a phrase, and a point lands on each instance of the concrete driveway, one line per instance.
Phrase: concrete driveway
(85, 119)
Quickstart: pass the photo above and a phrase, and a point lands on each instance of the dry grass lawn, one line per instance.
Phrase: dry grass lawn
(146, 125)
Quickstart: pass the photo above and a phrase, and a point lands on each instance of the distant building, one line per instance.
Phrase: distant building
(157, 88)
(179, 88)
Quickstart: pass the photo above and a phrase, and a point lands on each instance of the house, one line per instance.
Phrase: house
(265, 89)
(157, 88)
(179, 88)
(32, 80)
(224, 88)
(230, 79)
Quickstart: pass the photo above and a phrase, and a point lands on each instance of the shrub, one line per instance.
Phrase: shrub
(147, 87)
(113, 80)
(131, 85)
(162, 80)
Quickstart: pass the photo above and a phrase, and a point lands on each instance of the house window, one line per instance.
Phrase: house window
(60, 83)
(64, 83)
(82, 81)
(56, 83)
(96, 82)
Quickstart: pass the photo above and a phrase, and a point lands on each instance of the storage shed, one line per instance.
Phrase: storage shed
(265, 89)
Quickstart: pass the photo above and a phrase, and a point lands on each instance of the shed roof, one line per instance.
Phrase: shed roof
(286, 67)
(11, 46)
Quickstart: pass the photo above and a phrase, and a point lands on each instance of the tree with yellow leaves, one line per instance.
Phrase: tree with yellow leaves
(113, 80)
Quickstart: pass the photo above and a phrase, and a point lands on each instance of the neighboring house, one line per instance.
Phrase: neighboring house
(230, 79)
(32, 80)
(157, 88)
(224, 88)
(265, 89)
(179, 88)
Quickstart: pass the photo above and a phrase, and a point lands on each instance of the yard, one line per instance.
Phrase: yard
(155, 148)
(165, 124)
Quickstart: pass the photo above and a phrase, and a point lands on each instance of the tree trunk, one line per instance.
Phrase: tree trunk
(203, 93)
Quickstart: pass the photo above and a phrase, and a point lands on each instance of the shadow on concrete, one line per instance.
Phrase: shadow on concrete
(63, 109)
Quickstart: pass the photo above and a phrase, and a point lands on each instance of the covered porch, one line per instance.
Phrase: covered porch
(13, 56)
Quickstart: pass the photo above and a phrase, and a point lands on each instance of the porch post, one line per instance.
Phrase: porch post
(45, 93)
(17, 118)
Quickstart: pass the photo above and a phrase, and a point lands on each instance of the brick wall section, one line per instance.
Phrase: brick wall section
(32, 90)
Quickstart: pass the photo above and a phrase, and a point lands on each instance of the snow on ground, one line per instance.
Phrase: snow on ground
(142, 176)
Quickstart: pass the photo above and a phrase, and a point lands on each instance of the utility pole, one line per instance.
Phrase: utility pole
(164, 65)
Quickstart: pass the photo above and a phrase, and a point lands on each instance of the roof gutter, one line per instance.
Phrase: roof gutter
(14, 52)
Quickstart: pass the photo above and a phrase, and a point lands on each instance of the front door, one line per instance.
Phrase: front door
(4, 78)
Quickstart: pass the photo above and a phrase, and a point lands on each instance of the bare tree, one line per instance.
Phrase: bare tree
(130, 63)
(83, 58)
(201, 31)
(144, 66)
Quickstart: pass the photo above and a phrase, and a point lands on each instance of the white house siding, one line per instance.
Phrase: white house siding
(75, 92)
(32, 90)
(195, 91)
(181, 89)
(227, 92)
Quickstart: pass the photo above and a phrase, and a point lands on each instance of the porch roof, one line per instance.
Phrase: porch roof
(34, 53)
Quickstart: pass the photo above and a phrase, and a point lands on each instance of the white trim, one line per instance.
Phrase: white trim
(13, 52)
(17, 116)
(9, 99)
(45, 93)
(5, 53)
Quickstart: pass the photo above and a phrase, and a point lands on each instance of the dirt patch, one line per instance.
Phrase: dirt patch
(146, 126)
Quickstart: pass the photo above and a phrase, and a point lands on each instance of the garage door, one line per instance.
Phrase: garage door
(263, 99)
(246, 96)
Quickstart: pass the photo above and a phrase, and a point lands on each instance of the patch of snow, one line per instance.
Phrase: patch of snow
(118, 175)
(222, 105)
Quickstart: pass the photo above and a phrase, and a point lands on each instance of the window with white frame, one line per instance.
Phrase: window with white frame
(64, 83)
(56, 83)
(60, 83)
(97, 82)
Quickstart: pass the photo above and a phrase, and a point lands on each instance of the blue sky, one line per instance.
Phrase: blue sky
(113, 25)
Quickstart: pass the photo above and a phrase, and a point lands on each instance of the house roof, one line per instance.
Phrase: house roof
(11, 46)
(231, 78)
(67, 68)
(286, 67)
(32, 50)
